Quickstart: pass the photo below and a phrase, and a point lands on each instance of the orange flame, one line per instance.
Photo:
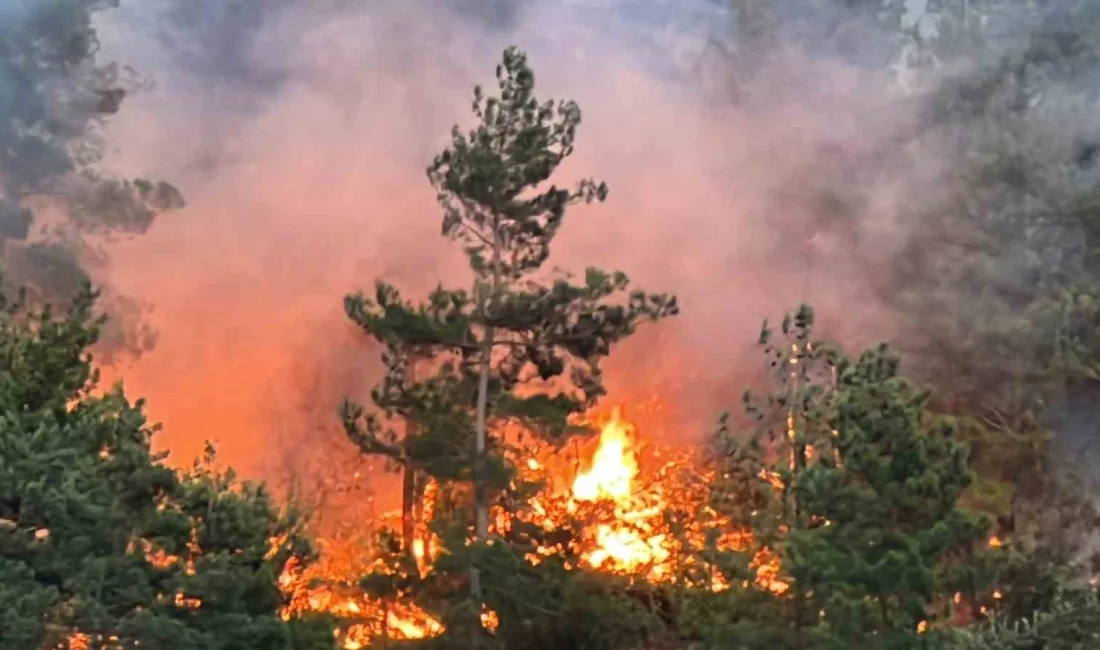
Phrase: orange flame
(629, 542)
(638, 539)
(626, 531)
(613, 467)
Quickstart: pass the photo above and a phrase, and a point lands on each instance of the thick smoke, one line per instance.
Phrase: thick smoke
(302, 160)
(299, 133)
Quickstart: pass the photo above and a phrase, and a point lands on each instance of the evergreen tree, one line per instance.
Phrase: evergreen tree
(854, 489)
(1071, 621)
(997, 285)
(520, 348)
(103, 544)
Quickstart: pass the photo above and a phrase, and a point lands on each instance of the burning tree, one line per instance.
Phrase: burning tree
(519, 349)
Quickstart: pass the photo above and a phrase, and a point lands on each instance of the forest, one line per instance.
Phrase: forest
(893, 388)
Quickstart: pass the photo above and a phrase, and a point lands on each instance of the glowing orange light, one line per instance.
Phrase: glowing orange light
(626, 530)
(614, 465)
(489, 619)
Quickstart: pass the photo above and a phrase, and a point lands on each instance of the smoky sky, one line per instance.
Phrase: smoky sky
(299, 133)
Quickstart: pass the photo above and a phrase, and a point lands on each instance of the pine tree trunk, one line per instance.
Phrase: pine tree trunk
(408, 519)
(798, 463)
(408, 488)
(419, 514)
(481, 505)
(481, 530)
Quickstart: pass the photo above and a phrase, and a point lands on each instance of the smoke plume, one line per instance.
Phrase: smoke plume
(299, 133)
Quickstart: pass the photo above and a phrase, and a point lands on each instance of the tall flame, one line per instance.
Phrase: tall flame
(614, 465)
(628, 543)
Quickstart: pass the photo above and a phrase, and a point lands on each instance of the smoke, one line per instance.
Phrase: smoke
(303, 160)
(299, 133)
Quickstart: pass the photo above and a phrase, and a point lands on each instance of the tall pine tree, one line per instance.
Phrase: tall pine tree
(520, 347)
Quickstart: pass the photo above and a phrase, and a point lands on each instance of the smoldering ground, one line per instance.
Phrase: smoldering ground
(299, 133)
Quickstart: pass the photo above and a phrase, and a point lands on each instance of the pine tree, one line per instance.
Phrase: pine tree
(100, 540)
(855, 490)
(519, 348)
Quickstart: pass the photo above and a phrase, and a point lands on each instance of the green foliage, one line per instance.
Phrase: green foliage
(313, 632)
(551, 605)
(97, 535)
(997, 280)
(742, 618)
(1071, 623)
(855, 489)
(595, 613)
(482, 177)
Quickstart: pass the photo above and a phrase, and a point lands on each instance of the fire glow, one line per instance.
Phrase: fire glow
(628, 542)
(626, 531)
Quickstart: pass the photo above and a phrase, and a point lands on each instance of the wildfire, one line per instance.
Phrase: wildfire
(648, 528)
(325, 587)
(630, 541)
(650, 523)
(645, 525)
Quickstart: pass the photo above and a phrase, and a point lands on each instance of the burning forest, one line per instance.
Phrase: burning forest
(495, 408)
(640, 525)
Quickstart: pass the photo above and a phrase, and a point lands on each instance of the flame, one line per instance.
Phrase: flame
(624, 528)
(489, 619)
(624, 512)
(630, 541)
(329, 586)
(413, 627)
(624, 517)
(613, 467)
(635, 537)
(371, 619)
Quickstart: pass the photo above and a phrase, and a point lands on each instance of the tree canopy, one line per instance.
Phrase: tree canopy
(101, 543)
